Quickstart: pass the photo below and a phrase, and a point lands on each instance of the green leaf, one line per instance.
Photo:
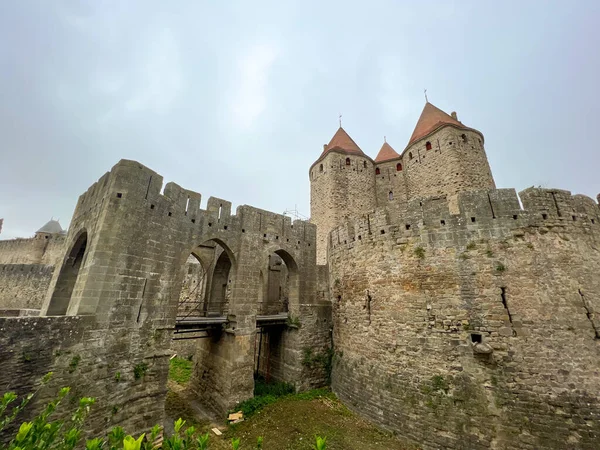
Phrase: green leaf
(129, 443)
(23, 431)
(178, 424)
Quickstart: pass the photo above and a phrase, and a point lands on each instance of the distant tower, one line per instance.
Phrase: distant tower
(444, 157)
(51, 228)
(341, 185)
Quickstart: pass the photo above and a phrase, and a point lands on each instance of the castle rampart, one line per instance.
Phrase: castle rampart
(41, 249)
(472, 330)
(113, 298)
(23, 286)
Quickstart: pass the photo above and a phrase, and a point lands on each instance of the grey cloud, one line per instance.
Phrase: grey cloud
(84, 84)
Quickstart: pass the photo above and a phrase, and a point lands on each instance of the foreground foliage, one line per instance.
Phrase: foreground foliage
(43, 433)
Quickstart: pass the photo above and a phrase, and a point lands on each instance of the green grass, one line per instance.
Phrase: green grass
(180, 370)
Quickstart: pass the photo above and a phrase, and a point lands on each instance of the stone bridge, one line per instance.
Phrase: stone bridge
(113, 303)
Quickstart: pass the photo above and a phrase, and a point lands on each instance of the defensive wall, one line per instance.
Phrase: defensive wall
(23, 286)
(474, 330)
(445, 162)
(107, 321)
(26, 267)
(42, 249)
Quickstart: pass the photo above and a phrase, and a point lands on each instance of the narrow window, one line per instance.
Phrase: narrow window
(347, 161)
(391, 195)
(365, 164)
(464, 137)
(398, 167)
(410, 155)
(377, 171)
(428, 145)
(476, 338)
(321, 168)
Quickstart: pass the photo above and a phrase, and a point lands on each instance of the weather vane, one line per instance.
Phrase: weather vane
(340, 119)
(425, 92)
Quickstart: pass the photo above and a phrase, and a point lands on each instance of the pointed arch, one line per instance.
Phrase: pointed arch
(68, 277)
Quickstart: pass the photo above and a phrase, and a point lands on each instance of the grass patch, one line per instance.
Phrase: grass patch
(180, 370)
(269, 393)
(277, 389)
(292, 422)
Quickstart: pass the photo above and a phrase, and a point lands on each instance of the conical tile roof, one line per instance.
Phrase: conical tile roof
(431, 119)
(386, 153)
(342, 141)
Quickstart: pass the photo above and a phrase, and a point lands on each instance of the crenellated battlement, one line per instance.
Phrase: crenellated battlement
(132, 185)
(488, 213)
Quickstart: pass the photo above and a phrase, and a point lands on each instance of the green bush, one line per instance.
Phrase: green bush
(140, 370)
(43, 433)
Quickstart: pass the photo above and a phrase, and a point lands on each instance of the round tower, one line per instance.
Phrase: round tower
(341, 185)
(445, 157)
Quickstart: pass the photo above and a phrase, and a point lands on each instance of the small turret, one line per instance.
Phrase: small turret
(52, 227)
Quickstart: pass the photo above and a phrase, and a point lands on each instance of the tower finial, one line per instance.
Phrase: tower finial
(384, 139)
(425, 92)
(340, 119)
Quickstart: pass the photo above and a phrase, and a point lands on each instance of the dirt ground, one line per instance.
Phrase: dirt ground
(288, 424)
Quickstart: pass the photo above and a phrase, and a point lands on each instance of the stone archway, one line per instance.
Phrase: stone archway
(68, 277)
(272, 359)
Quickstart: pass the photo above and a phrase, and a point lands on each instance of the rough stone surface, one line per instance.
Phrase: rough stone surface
(114, 297)
(411, 306)
(23, 286)
(447, 312)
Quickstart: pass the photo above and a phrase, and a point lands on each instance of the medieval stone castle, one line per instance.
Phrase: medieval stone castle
(458, 315)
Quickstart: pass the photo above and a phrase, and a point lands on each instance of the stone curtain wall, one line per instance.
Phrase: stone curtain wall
(339, 191)
(26, 267)
(128, 288)
(23, 286)
(472, 331)
(123, 366)
(36, 250)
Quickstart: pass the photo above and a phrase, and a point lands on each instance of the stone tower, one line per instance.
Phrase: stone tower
(390, 176)
(445, 157)
(341, 185)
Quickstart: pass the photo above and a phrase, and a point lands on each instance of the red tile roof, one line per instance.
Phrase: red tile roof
(386, 153)
(343, 142)
(431, 119)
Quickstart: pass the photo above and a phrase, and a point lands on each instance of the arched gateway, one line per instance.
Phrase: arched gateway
(152, 263)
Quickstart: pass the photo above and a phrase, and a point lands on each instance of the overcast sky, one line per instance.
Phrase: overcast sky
(236, 98)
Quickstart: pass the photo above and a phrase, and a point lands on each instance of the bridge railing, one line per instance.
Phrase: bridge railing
(188, 308)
